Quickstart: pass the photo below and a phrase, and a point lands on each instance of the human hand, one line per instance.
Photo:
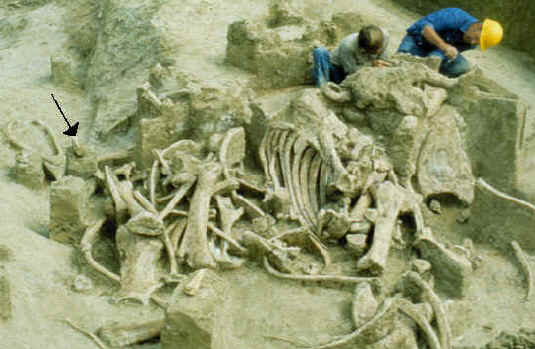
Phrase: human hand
(380, 63)
(450, 51)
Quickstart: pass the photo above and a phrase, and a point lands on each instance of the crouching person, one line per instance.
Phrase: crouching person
(367, 47)
(447, 32)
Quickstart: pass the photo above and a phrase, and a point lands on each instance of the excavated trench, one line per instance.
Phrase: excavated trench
(214, 199)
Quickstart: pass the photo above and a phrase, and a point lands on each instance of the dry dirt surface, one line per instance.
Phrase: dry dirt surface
(42, 273)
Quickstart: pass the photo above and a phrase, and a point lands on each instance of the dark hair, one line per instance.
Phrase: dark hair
(371, 38)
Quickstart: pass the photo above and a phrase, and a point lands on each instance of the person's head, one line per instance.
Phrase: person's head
(486, 34)
(472, 35)
(371, 39)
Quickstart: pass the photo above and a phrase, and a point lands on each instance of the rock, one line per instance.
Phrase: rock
(421, 266)
(364, 304)
(127, 45)
(28, 170)
(153, 134)
(198, 321)
(69, 208)
(357, 243)
(434, 205)
(122, 335)
(463, 216)
(82, 283)
(278, 51)
(148, 104)
(145, 223)
(399, 88)
(84, 166)
(405, 147)
(451, 271)
(443, 165)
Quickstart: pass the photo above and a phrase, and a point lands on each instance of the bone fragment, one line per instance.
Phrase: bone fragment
(336, 93)
(324, 252)
(526, 269)
(122, 335)
(176, 232)
(408, 308)
(228, 215)
(176, 199)
(313, 175)
(227, 238)
(12, 139)
(121, 207)
(192, 287)
(250, 208)
(91, 335)
(440, 314)
(319, 278)
(140, 255)
(482, 184)
(147, 205)
(379, 326)
(162, 161)
(86, 245)
(301, 191)
(118, 155)
(285, 157)
(154, 180)
(169, 247)
(56, 158)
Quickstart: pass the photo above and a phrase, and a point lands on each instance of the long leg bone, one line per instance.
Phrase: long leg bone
(194, 248)
(524, 264)
(388, 207)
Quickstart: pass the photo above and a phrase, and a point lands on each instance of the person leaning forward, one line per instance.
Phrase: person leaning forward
(367, 47)
(447, 32)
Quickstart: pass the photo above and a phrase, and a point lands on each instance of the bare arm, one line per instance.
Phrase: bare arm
(431, 35)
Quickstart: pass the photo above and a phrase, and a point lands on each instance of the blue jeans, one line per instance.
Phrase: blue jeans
(324, 70)
(450, 68)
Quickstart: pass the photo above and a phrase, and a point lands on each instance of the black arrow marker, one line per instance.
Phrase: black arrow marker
(72, 130)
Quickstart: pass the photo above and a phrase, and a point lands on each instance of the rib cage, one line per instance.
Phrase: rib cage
(294, 164)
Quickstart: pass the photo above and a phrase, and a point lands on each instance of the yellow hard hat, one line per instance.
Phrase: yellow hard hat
(491, 34)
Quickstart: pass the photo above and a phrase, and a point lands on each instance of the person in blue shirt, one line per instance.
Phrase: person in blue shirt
(447, 32)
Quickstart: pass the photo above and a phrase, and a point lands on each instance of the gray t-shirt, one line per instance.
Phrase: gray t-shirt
(348, 55)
